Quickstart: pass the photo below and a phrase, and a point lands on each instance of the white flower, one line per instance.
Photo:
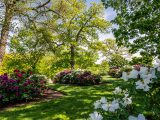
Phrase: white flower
(148, 76)
(140, 117)
(132, 118)
(114, 106)
(143, 70)
(133, 74)
(155, 65)
(97, 104)
(158, 61)
(124, 76)
(105, 107)
(142, 85)
(127, 101)
(153, 73)
(103, 100)
(147, 81)
(146, 88)
(117, 90)
(139, 85)
(126, 94)
(95, 116)
(158, 68)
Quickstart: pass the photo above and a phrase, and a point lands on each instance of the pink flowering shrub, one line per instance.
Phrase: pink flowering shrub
(20, 86)
(77, 77)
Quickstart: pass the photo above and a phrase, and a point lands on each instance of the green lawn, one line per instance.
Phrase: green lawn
(76, 104)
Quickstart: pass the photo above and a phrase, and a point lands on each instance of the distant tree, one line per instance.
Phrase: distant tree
(117, 61)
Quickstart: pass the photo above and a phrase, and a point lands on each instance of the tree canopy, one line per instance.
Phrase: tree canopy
(78, 28)
(138, 24)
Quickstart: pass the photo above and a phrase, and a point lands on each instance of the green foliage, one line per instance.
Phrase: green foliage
(109, 47)
(78, 28)
(126, 69)
(85, 58)
(144, 60)
(32, 44)
(138, 24)
(117, 61)
(100, 69)
(12, 61)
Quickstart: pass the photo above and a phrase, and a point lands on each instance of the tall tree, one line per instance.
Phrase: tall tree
(13, 9)
(138, 24)
(78, 28)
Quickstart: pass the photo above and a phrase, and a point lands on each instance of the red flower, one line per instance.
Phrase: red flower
(16, 70)
(23, 72)
(30, 72)
(19, 75)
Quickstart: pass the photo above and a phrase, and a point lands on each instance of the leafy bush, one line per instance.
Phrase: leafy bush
(77, 77)
(126, 69)
(115, 72)
(20, 85)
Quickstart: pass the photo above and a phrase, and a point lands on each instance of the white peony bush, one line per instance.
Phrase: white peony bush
(142, 79)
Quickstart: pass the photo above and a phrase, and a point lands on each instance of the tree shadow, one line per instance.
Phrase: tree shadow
(76, 104)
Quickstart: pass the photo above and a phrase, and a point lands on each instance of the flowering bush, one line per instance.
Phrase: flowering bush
(141, 81)
(77, 77)
(20, 86)
(115, 72)
(60, 76)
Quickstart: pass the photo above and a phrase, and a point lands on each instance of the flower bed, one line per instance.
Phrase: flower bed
(20, 86)
(77, 78)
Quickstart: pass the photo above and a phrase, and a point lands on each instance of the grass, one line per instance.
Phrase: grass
(76, 104)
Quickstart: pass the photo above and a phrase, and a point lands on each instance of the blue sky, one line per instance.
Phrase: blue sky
(109, 15)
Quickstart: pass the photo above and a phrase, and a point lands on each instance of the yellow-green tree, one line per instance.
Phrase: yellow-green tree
(78, 25)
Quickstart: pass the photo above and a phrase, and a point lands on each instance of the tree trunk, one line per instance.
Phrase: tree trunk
(5, 28)
(72, 62)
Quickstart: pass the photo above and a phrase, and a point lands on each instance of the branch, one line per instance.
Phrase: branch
(40, 6)
(82, 27)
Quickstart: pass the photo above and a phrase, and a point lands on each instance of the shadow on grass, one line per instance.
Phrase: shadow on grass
(76, 104)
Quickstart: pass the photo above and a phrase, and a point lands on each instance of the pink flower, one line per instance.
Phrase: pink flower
(19, 75)
(42, 81)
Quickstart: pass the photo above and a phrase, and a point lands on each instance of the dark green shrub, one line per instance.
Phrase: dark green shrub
(126, 69)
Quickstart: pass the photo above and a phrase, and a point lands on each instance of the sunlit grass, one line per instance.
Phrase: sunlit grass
(77, 103)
